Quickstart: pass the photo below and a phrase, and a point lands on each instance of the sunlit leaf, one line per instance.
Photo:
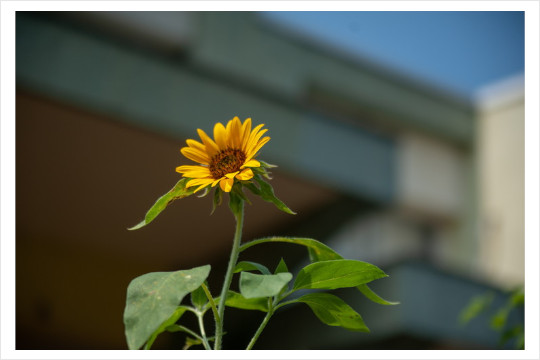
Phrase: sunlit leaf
(335, 274)
(153, 298)
(179, 191)
(256, 286)
(333, 311)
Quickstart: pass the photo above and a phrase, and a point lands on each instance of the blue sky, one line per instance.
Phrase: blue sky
(457, 50)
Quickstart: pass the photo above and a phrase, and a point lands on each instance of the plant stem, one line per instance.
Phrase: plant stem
(211, 301)
(203, 332)
(239, 216)
(261, 327)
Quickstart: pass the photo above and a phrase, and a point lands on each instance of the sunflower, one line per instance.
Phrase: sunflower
(229, 156)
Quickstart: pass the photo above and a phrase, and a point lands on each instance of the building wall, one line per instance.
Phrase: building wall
(501, 153)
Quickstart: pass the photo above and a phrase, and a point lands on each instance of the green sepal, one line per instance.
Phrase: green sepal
(236, 203)
(335, 274)
(264, 164)
(237, 190)
(179, 191)
(167, 324)
(217, 199)
(259, 286)
(262, 169)
(333, 311)
(154, 297)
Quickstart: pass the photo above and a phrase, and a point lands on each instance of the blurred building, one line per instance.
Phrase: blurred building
(380, 166)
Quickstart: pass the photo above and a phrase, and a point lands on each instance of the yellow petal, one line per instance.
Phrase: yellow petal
(216, 181)
(251, 163)
(200, 187)
(195, 155)
(196, 145)
(193, 171)
(234, 135)
(231, 175)
(220, 136)
(245, 131)
(184, 168)
(254, 151)
(201, 182)
(228, 128)
(226, 184)
(246, 174)
(197, 174)
(248, 141)
(253, 142)
(211, 146)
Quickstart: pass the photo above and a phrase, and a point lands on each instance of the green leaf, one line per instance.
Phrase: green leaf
(198, 298)
(266, 192)
(282, 267)
(317, 252)
(153, 298)
(321, 250)
(476, 306)
(166, 324)
(335, 274)
(333, 311)
(516, 333)
(236, 300)
(191, 342)
(249, 266)
(517, 297)
(498, 321)
(374, 297)
(179, 191)
(256, 286)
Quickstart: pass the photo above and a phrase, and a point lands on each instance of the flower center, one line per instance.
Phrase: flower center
(226, 161)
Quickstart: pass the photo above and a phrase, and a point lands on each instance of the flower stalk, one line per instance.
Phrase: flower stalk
(237, 207)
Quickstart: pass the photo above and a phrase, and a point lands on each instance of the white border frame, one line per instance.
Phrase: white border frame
(7, 123)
